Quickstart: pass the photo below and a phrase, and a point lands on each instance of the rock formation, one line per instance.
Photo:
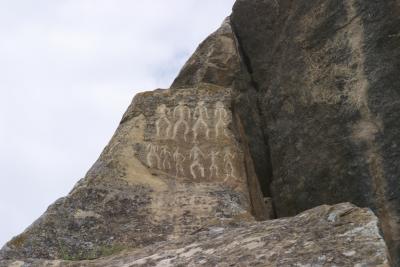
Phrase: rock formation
(288, 106)
(340, 235)
(327, 77)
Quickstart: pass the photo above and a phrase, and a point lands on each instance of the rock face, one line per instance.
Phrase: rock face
(341, 235)
(327, 77)
(176, 164)
(215, 61)
(288, 106)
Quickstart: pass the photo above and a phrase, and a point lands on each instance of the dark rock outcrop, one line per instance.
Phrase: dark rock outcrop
(327, 74)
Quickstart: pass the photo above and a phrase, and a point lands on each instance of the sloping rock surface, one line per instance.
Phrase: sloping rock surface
(341, 235)
(178, 162)
(174, 165)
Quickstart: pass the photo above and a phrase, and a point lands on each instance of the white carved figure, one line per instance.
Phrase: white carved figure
(202, 114)
(153, 159)
(221, 117)
(166, 158)
(228, 165)
(195, 154)
(179, 159)
(213, 167)
(162, 112)
(182, 112)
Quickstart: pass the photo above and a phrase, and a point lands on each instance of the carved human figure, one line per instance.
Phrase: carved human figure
(166, 157)
(179, 158)
(163, 120)
(183, 115)
(201, 114)
(195, 154)
(228, 165)
(213, 167)
(153, 159)
(221, 117)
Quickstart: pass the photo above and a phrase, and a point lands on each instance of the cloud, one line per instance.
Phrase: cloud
(69, 69)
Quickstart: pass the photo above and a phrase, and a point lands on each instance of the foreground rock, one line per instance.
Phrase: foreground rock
(341, 235)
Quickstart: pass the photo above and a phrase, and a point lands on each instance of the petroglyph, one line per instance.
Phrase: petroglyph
(162, 120)
(166, 158)
(153, 159)
(213, 167)
(179, 158)
(221, 116)
(202, 114)
(206, 158)
(183, 113)
(228, 165)
(195, 154)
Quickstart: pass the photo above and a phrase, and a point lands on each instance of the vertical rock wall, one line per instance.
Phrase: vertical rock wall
(327, 75)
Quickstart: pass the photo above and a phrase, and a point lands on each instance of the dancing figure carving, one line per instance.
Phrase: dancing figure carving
(153, 159)
(213, 167)
(228, 165)
(162, 112)
(202, 114)
(179, 158)
(183, 113)
(166, 158)
(221, 117)
(195, 154)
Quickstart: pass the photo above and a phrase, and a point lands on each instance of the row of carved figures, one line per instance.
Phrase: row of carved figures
(163, 158)
(182, 115)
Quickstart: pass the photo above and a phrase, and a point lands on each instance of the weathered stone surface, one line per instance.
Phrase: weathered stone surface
(340, 235)
(327, 77)
(175, 165)
(289, 105)
(215, 61)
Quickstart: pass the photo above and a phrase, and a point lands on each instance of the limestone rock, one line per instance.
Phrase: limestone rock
(340, 235)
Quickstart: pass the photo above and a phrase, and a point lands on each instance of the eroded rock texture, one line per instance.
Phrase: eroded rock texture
(174, 165)
(177, 163)
(341, 235)
(288, 106)
(327, 76)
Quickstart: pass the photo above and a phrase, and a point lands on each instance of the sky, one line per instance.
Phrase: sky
(68, 71)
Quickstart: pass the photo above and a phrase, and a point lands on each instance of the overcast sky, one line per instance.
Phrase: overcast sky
(68, 71)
